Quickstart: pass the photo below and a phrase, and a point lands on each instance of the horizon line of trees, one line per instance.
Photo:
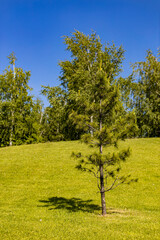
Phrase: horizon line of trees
(23, 120)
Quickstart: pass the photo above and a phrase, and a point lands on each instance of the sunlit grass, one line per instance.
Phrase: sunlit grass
(43, 196)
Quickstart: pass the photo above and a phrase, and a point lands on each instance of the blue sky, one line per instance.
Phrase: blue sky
(33, 29)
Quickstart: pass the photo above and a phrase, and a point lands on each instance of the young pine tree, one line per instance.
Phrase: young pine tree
(97, 109)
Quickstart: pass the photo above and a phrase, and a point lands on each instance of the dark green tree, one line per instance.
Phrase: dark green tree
(90, 80)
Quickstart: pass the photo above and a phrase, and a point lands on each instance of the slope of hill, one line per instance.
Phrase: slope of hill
(43, 196)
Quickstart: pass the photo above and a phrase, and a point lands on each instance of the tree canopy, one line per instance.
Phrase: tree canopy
(91, 75)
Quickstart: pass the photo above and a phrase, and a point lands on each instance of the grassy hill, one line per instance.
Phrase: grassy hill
(44, 197)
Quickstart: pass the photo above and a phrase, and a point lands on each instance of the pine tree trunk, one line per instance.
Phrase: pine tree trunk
(103, 201)
(102, 189)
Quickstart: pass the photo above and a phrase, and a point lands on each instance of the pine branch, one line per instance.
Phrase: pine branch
(111, 187)
(91, 171)
(114, 187)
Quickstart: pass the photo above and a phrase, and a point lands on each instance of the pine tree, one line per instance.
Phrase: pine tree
(90, 80)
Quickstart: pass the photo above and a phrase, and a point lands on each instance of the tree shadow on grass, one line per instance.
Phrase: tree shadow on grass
(71, 204)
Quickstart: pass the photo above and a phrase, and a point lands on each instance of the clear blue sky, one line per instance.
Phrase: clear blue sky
(33, 29)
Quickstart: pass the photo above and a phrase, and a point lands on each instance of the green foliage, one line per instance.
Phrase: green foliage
(93, 94)
(111, 167)
(54, 114)
(144, 88)
(19, 118)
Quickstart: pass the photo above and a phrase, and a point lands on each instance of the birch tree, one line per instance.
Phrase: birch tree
(17, 124)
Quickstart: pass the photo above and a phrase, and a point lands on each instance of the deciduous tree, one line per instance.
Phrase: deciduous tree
(144, 85)
(17, 120)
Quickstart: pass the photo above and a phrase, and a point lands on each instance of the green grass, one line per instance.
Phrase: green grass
(44, 197)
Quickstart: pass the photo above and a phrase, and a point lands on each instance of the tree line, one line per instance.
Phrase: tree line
(91, 93)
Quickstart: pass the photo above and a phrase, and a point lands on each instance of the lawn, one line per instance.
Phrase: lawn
(43, 196)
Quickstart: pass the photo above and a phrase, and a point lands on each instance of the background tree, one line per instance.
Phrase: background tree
(144, 86)
(54, 114)
(34, 122)
(17, 107)
(96, 107)
(56, 122)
